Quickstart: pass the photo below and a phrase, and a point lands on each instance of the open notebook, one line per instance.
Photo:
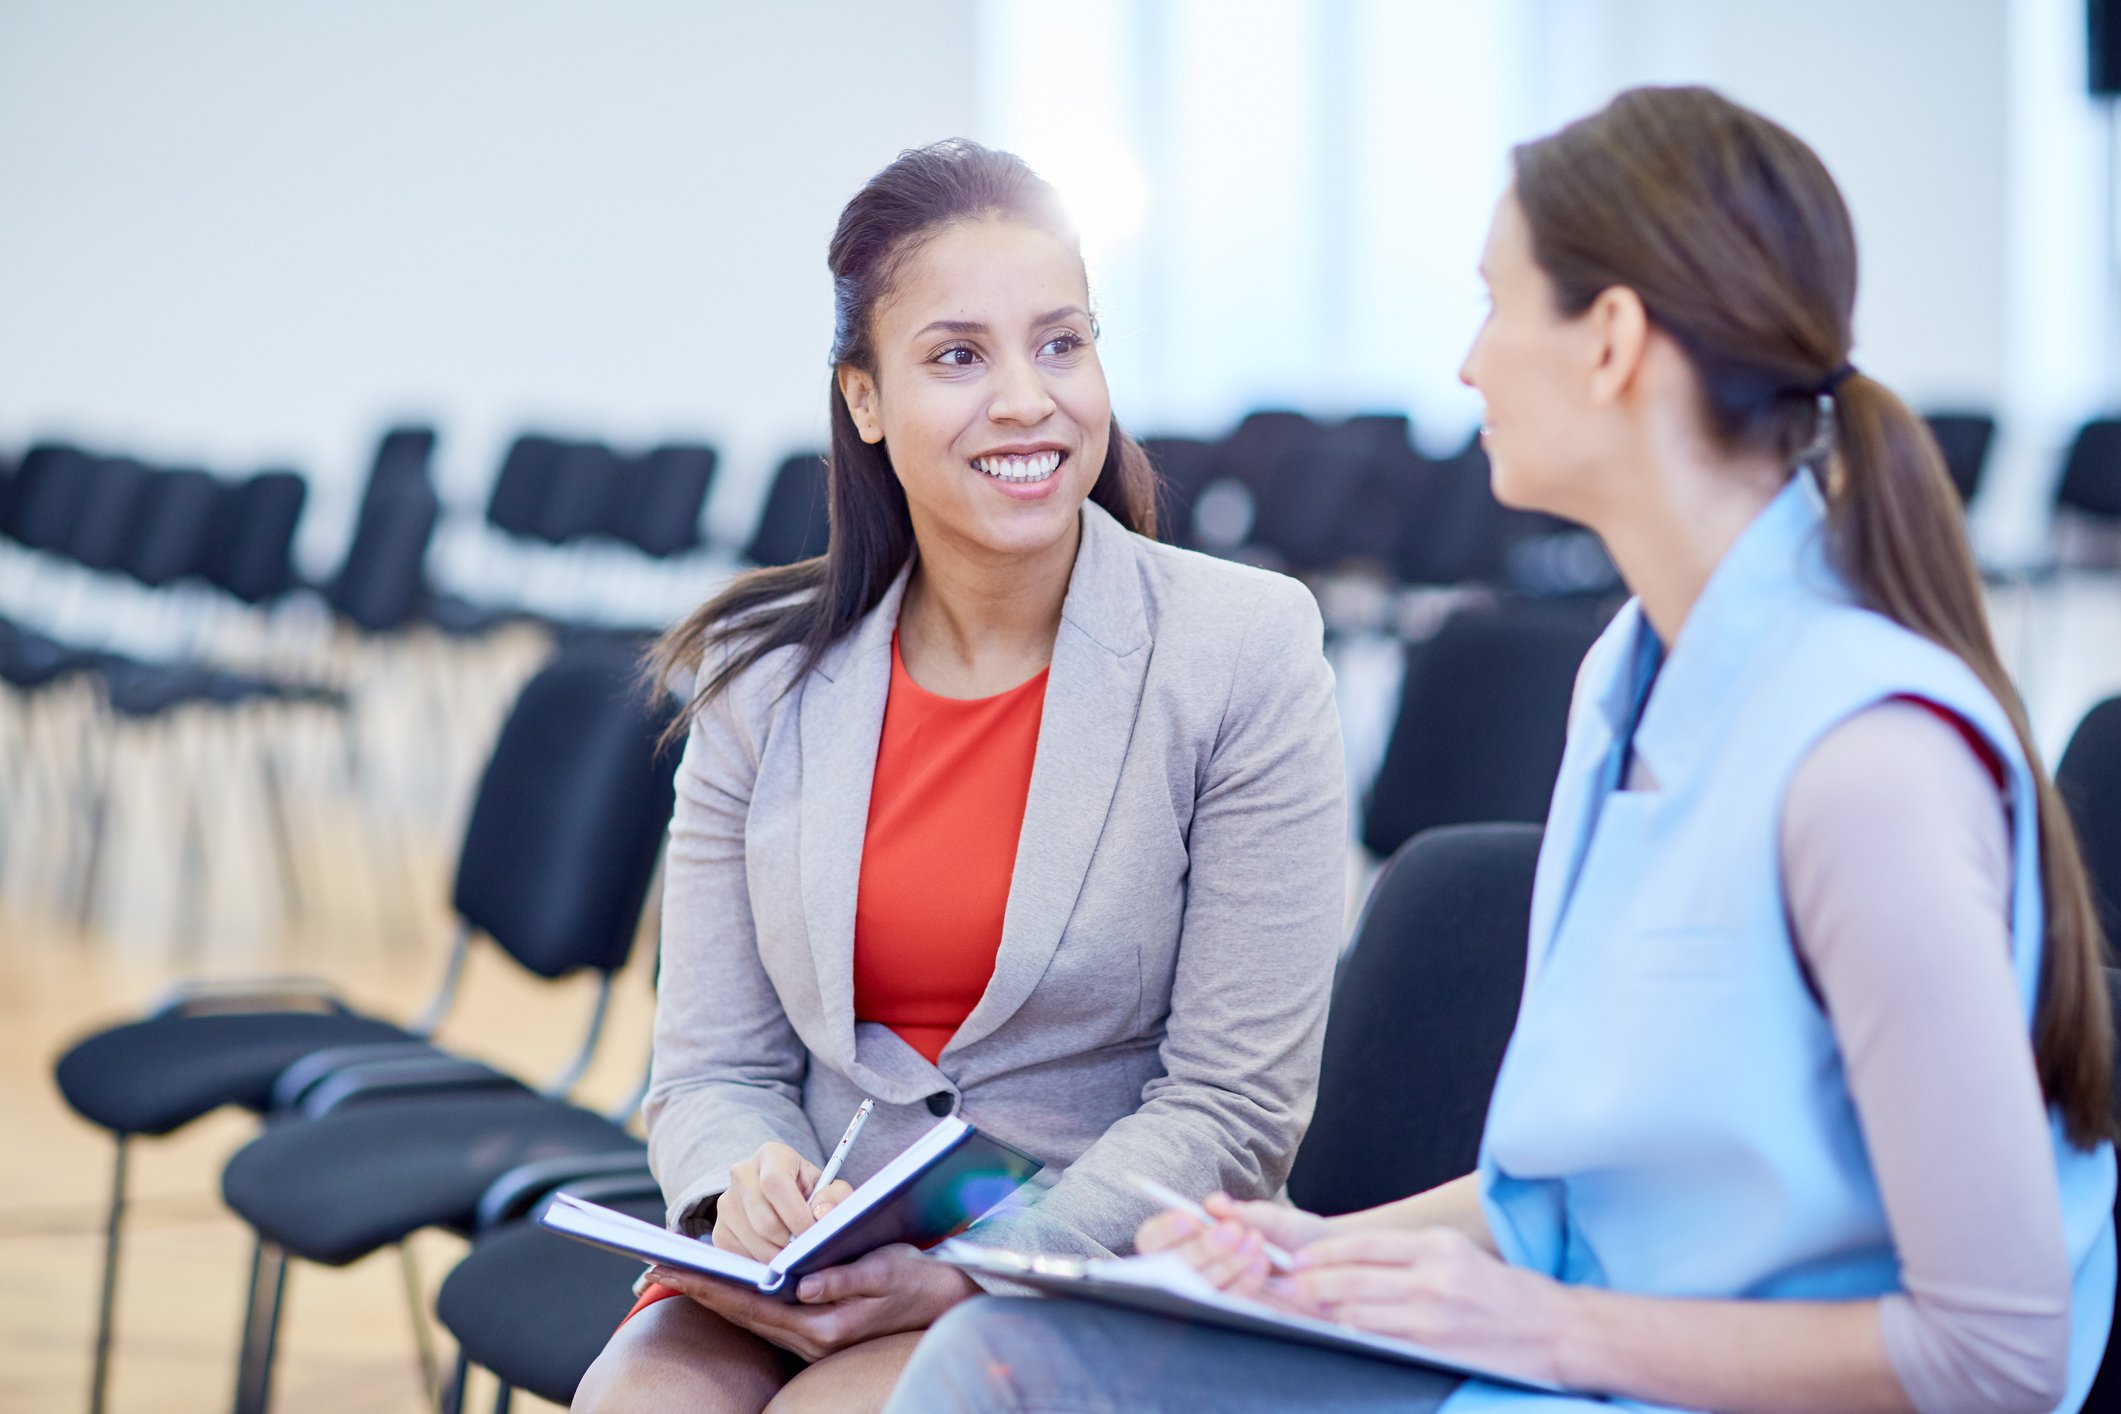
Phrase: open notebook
(948, 1179)
(1167, 1285)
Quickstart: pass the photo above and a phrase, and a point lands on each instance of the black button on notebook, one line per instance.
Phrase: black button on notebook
(939, 1103)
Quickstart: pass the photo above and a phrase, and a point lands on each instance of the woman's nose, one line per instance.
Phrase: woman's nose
(1020, 393)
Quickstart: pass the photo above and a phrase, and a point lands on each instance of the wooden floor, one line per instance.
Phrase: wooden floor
(375, 921)
(347, 1344)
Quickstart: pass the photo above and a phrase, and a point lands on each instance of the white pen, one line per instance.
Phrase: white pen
(839, 1154)
(1276, 1258)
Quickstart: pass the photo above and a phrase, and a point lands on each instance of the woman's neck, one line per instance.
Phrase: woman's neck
(974, 624)
(1669, 537)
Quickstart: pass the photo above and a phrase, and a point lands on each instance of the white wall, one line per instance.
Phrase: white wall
(246, 233)
(1905, 100)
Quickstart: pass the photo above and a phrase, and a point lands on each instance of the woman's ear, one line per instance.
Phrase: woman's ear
(859, 390)
(1620, 335)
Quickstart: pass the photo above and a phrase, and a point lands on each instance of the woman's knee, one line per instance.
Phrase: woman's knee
(677, 1354)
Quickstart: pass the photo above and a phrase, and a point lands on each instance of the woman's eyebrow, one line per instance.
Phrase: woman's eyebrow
(973, 326)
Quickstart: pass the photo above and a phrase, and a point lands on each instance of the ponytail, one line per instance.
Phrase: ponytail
(1899, 538)
(1733, 234)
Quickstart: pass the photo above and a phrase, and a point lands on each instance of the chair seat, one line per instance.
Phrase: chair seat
(149, 1077)
(335, 1188)
(536, 1308)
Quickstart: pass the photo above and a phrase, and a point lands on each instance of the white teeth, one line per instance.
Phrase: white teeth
(1036, 467)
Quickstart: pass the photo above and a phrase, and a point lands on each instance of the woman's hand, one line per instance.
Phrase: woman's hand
(1232, 1253)
(769, 1200)
(892, 1289)
(1437, 1288)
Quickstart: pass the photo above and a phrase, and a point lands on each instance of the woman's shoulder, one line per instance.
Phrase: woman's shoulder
(1223, 600)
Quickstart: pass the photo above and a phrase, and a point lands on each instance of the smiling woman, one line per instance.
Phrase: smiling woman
(998, 808)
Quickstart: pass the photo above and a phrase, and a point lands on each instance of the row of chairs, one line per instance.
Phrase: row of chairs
(1315, 497)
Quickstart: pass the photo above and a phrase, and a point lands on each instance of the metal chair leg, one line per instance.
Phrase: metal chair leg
(422, 1337)
(261, 1327)
(501, 1398)
(453, 1396)
(99, 1377)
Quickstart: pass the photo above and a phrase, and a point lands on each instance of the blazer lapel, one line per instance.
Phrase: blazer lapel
(1093, 694)
(842, 719)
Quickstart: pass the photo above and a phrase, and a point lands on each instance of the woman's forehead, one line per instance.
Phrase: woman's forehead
(995, 272)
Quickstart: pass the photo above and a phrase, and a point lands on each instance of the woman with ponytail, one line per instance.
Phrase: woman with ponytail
(1807, 1103)
(998, 808)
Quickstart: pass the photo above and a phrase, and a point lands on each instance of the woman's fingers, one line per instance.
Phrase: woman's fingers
(1387, 1247)
(834, 1193)
(1277, 1222)
(1166, 1230)
(783, 1186)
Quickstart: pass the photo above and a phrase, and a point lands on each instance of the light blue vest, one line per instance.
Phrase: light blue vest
(1672, 1117)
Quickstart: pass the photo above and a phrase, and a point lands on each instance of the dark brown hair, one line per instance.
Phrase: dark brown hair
(1737, 241)
(813, 603)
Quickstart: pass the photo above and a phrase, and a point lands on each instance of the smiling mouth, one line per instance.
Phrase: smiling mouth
(1020, 471)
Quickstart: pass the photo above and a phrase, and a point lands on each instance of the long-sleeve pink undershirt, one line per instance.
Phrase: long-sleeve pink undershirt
(1896, 862)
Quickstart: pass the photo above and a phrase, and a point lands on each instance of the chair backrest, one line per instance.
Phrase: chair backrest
(1483, 716)
(1450, 528)
(106, 523)
(52, 485)
(382, 583)
(2089, 778)
(2091, 477)
(1322, 505)
(171, 520)
(1183, 466)
(1422, 1012)
(570, 814)
(793, 524)
(1264, 445)
(584, 478)
(1963, 438)
(249, 547)
(403, 454)
(523, 483)
(659, 500)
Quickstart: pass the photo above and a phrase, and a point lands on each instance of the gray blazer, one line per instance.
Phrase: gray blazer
(1159, 999)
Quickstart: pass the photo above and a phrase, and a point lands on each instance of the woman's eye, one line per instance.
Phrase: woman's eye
(957, 356)
(1061, 345)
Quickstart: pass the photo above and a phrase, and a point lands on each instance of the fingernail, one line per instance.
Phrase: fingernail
(808, 1289)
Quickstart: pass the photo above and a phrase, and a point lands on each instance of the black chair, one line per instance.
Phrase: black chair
(2088, 497)
(249, 552)
(582, 481)
(2089, 778)
(338, 1180)
(404, 456)
(1482, 720)
(536, 1308)
(105, 524)
(52, 485)
(523, 484)
(657, 504)
(1183, 466)
(793, 524)
(1422, 1012)
(554, 866)
(1330, 499)
(172, 516)
(1964, 438)
(382, 583)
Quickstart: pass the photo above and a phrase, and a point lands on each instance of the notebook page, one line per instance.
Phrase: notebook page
(881, 1185)
(609, 1228)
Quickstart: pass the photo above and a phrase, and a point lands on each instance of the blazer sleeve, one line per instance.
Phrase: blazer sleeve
(728, 1068)
(1265, 904)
